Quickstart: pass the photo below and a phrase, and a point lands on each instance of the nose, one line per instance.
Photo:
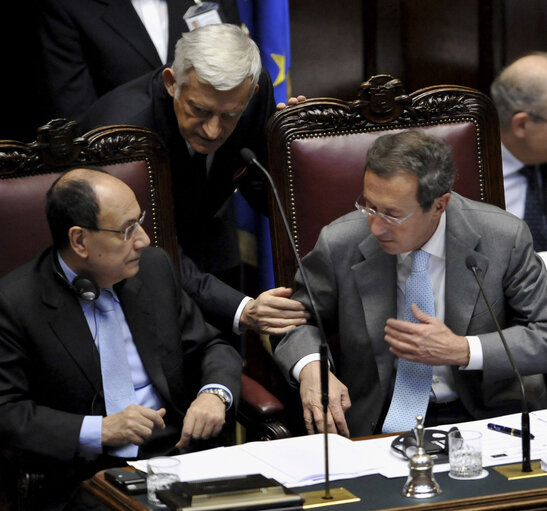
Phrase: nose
(377, 225)
(212, 127)
(141, 239)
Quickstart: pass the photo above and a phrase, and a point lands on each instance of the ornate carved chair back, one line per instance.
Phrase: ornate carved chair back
(317, 151)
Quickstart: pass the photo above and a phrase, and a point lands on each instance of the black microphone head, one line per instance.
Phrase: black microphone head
(471, 262)
(247, 155)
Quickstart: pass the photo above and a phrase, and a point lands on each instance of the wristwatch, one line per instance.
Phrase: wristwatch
(221, 393)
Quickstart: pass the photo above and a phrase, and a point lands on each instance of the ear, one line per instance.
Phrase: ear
(169, 81)
(519, 123)
(77, 237)
(256, 90)
(440, 204)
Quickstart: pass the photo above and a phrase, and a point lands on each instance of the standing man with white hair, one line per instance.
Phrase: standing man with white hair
(214, 100)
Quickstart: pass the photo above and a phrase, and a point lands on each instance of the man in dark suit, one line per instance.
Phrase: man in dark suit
(520, 95)
(55, 389)
(211, 103)
(89, 47)
(359, 272)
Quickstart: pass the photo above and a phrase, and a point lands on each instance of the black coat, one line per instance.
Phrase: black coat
(50, 375)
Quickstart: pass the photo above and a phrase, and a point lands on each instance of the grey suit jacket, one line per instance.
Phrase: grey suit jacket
(354, 284)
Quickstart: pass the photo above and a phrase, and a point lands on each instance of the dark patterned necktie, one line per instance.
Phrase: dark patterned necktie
(534, 210)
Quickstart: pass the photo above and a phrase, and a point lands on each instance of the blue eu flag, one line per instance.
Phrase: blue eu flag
(268, 25)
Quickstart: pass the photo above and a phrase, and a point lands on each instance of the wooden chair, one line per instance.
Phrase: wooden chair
(317, 151)
(138, 157)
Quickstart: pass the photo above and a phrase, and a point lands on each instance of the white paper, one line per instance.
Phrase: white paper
(299, 461)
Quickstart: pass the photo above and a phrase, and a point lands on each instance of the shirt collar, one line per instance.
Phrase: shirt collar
(70, 275)
(509, 162)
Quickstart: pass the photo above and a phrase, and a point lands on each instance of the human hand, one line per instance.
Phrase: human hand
(133, 425)
(429, 342)
(291, 101)
(273, 312)
(204, 419)
(310, 393)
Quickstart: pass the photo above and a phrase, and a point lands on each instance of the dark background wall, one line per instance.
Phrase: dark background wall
(336, 44)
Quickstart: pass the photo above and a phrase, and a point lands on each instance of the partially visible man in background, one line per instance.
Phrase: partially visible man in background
(520, 96)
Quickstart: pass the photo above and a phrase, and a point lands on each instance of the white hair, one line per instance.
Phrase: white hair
(221, 55)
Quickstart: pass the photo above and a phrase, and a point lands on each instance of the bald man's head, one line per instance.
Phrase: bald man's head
(95, 221)
(521, 87)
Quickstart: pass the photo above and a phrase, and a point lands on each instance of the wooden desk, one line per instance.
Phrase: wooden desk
(378, 493)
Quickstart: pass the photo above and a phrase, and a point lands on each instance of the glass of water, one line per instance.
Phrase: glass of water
(465, 454)
(162, 472)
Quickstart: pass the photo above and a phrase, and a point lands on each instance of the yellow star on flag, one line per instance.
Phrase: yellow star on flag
(280, 61)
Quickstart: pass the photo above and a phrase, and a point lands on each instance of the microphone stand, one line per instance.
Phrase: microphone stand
(250, 158)
(525, 418)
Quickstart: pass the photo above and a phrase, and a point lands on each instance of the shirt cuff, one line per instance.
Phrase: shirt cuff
(218, 386)
(90, 441)
(304, 361)
(239, 311)
(475, 354)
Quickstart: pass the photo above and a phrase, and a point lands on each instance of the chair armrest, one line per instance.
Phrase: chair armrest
(260, 412)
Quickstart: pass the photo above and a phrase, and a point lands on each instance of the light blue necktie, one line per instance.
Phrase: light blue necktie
(413, 380)
(118, 388)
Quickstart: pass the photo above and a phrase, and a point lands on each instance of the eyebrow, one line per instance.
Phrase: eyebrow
(235, 113)
(131, 221)
(392, 211)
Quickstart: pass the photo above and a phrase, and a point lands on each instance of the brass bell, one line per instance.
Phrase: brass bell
(421, 483)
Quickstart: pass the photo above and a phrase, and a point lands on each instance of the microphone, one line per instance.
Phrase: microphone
(250, 159)
(471, 264)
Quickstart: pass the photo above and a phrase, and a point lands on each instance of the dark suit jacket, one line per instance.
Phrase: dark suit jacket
(205, 226)
(91, 46)
(355, 286)
(50, 375)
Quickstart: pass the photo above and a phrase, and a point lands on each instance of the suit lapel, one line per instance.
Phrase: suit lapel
(137, 306)
(462, 290)
(70, 326)
(375, 278)
(122, 18)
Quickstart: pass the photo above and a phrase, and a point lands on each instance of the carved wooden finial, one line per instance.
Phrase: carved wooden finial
(381, 99)
(58, 142)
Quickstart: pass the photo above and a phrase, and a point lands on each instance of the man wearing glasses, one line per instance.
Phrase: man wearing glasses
(103, 357)
(363, 277)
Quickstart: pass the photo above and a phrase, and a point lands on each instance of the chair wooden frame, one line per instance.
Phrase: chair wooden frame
(382, 106)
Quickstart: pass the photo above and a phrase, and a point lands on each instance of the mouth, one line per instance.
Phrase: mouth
(207, 141)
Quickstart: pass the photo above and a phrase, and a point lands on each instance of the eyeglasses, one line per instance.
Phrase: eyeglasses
(373, 213)
(128, 232)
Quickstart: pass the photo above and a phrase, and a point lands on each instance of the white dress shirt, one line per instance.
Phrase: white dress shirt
(155, 18)
(515, 184)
